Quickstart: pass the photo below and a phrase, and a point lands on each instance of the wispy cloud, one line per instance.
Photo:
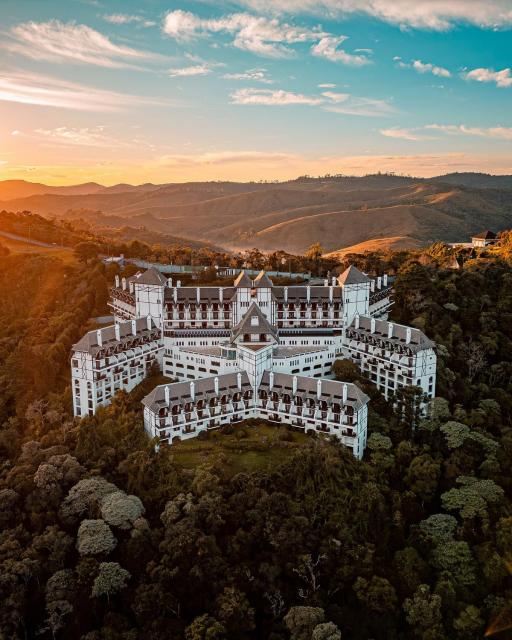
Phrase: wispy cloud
(69, 42)
(328, 47)
(258, 34)
(503, 133)
(269, 97)
(402, 134)
(253, 75)
(501, 78)
(262, 35)
(227, 157)
(327, 85)
(424, 14)
(47, 91)
(342, 103)
(423, 67)
(192, 70)
(124, 18)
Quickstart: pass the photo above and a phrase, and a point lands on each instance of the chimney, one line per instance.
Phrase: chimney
(385, 279)
(271, 379)
(198, 295)
(330, 293)
(345, 393)
(319, 389)
(149, 323)
(99, 338)
(169, 282)
(286, 294)
(372, 325)
(216, 385)
(132, 287)
(308, 293)
(124, 283)
(357, 321)
(333, 281)
(239, 381)
(117, 330)
(390, 330)
(408, 335)
(134, 327)
(193, 391)
(178, 284)
(294, 385)
(175, 295)
(167, 395)
(379, 283)
(372, 285)
(326, 282)
(117, 282)
(221, 295)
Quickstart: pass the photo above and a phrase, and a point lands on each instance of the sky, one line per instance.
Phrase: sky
(160, 91)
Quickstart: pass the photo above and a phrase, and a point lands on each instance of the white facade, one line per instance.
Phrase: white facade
(266, 342)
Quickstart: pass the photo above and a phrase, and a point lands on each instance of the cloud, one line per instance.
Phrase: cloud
(227, 157)
(336, 97)
(502, 133)
(254, 75)
(269, 97)
(433, 15)
(69, 42)
(367, 107)
(124, 18)
(401, 134)
(328, 47)
(502, 78)
(47, 91)
(193, 70)
(82, 137)
(326, 85)
(423, 67)
(260, 35)
(342, 103)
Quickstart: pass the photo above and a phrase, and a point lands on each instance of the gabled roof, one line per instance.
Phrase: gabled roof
(260, 325)
(89, 342)
(263, 281)
(243, 280)
(352, 275)
(485, 235)
(152, 277)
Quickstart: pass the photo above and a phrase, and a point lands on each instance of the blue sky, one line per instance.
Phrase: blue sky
(256, 89)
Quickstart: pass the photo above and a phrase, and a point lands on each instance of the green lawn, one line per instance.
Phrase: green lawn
(253, 445)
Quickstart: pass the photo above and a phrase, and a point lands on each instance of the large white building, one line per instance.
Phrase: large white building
(251, 350)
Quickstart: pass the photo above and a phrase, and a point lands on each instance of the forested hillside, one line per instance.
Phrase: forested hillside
(103, 537)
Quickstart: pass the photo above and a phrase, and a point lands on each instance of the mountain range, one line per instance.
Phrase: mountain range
(342, 213)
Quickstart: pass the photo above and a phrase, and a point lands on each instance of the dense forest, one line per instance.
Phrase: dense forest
(104, 536)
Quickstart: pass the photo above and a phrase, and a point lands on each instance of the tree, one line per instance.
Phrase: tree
(84, 496)
(423, 614)
(85, 251)
(422, 476)
(94, 538)
(473, 497)
(121, 510)
(314, 252)
(378, 594)
(301, 621)
(346, 370)
(205, 627)
(111, 579)
(439, 528)
(455, 558)
(326, 631)
(469, 625)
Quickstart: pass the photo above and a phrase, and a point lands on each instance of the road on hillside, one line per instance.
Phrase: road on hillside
(38, 243)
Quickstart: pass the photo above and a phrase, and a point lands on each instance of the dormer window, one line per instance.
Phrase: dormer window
(254, 321)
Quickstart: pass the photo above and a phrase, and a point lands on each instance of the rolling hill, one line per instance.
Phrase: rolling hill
(338, 212)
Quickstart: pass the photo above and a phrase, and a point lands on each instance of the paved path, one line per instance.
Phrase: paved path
(38, 243)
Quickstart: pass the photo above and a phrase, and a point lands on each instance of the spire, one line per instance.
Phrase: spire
(263, 281)
(352, 275)
(243, 280)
